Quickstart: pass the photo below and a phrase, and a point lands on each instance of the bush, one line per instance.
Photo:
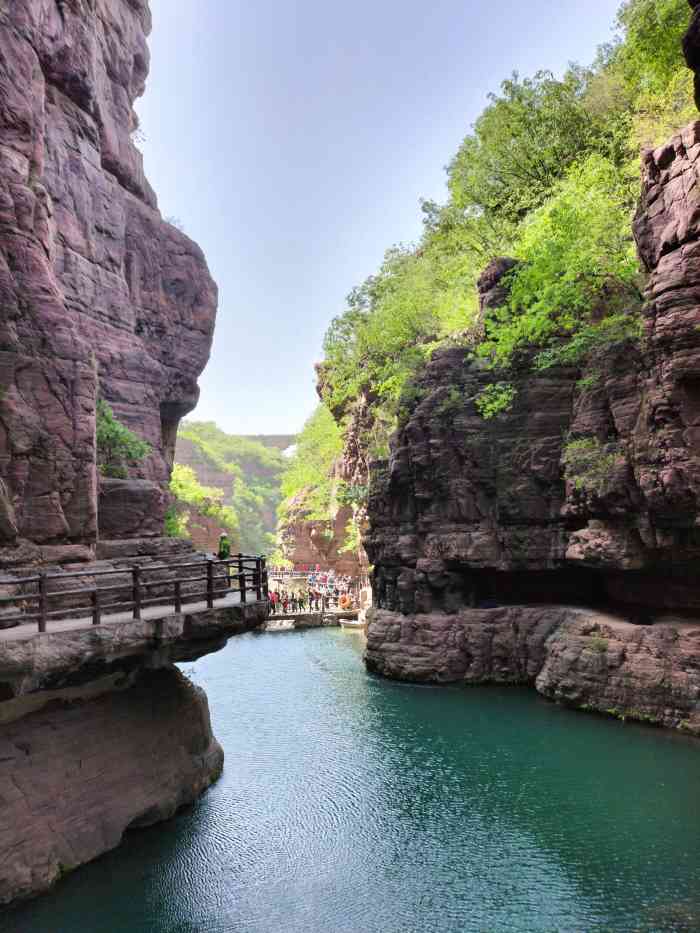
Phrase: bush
(495, 399)
(576, 251)
(589, 464)
(208, 500)
(117, 446)
(599, 644)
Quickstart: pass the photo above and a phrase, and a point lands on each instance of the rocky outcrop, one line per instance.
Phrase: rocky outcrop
(691, 47)
(309, 543)
(76, 778)
(98, 293)
(587, 659)
(587, 490)
(99, 733)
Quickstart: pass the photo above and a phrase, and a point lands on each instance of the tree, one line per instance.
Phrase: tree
(117, 446)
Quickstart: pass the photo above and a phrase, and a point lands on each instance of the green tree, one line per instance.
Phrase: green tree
(309, 473)
(117, 446)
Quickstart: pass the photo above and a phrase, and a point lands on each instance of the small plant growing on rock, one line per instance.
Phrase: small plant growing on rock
(116, 444)
(589, 464)
(451, 403)
(495, 398)
(589, 382)
(599, 644)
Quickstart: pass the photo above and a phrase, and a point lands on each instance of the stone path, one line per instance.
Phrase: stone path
(148, 614)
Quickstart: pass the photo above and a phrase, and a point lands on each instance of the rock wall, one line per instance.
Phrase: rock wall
(97, 293)
(76, 777)
(587, 659)
(100, 733)
(468, 512)
(309, 543)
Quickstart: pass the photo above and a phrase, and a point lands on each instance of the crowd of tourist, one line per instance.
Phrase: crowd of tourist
(315, 591)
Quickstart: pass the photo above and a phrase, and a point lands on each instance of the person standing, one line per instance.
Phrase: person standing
(224, 554)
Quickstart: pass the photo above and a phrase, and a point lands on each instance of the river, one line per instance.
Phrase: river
(354, 805)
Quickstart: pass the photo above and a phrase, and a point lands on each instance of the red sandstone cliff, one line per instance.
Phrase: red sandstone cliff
(467, 512)
(97, 292)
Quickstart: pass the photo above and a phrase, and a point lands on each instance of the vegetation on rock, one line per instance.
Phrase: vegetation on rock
(308, 477)
(253, 488)
(549, 175)
(589, 464)
(117, 446)
(190, 494)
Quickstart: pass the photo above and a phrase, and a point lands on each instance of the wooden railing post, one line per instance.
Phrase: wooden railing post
(241, 584)
(265, 581)
(136, 591)
(240, 564)
(96, 607)
(43, 602)
(178, 596)
(210, 584)
(258, 578)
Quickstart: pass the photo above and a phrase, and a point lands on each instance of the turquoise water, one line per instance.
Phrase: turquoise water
(355, 805)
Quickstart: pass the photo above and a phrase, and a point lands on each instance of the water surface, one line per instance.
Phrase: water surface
(354, 805)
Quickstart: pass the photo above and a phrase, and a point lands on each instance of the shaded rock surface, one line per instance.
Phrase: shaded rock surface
(99, 732)
(75, 777)
(97, 292)
(588, 659)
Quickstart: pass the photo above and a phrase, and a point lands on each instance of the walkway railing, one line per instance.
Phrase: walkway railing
(215, 580)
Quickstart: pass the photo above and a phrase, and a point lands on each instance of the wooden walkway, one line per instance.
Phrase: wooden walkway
(41, 603)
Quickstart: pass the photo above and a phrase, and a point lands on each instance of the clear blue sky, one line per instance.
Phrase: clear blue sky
(293, 140)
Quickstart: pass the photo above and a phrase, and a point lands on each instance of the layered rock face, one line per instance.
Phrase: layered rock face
(583, 657)
(98, 770)
(309, 543)
(100, 733)
(98, 293)
(468, 512)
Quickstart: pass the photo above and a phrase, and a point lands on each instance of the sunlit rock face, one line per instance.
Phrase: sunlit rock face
(470, 512)
(97, 292)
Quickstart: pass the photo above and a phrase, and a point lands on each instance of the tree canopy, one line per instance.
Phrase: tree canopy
(549, 175)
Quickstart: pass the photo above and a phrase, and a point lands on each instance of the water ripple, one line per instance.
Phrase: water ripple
(352, 805)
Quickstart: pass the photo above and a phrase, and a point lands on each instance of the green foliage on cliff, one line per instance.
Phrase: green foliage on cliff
(188, 491)
(548, 174)
(577, 257)
(117, 446)
(589, 464)
(307, 482)
(255, 472)
(495, 398)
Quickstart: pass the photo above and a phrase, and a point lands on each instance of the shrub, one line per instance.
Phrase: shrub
(495, 398)
(571, 250)
(117, 446)
(599, 644)
(176, 522)
(208, 500)
(589, 464)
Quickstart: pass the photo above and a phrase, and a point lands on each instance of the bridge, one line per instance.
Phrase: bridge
(59, 603)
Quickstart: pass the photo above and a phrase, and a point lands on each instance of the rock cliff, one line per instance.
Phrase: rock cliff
(98, 294)
(100, 733)
(470, 512)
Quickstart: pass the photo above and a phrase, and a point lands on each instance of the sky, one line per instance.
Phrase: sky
(294, 140)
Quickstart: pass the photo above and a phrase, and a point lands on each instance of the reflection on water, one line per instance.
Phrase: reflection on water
(354, 805)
